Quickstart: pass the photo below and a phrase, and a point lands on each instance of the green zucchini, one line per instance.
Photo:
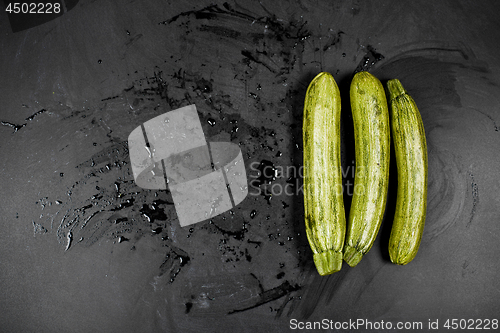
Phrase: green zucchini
(323, 200)
(372, 143)
(411, 158)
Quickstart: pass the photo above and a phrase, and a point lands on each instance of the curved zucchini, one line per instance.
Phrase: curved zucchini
(411, 158)
(323, 200)
(372, 143)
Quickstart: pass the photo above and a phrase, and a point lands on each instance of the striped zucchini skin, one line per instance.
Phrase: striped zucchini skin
(323, 200)
(372, 143)
(411, 158)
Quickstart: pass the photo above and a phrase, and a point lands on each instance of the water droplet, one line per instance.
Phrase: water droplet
(149, 151)
(211, 121)
(253, 213)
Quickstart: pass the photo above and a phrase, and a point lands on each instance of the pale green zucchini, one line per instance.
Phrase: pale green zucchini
(411, 158)
(323, 200)
(372, 143)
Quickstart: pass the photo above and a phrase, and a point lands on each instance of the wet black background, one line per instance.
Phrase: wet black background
(73, 88)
